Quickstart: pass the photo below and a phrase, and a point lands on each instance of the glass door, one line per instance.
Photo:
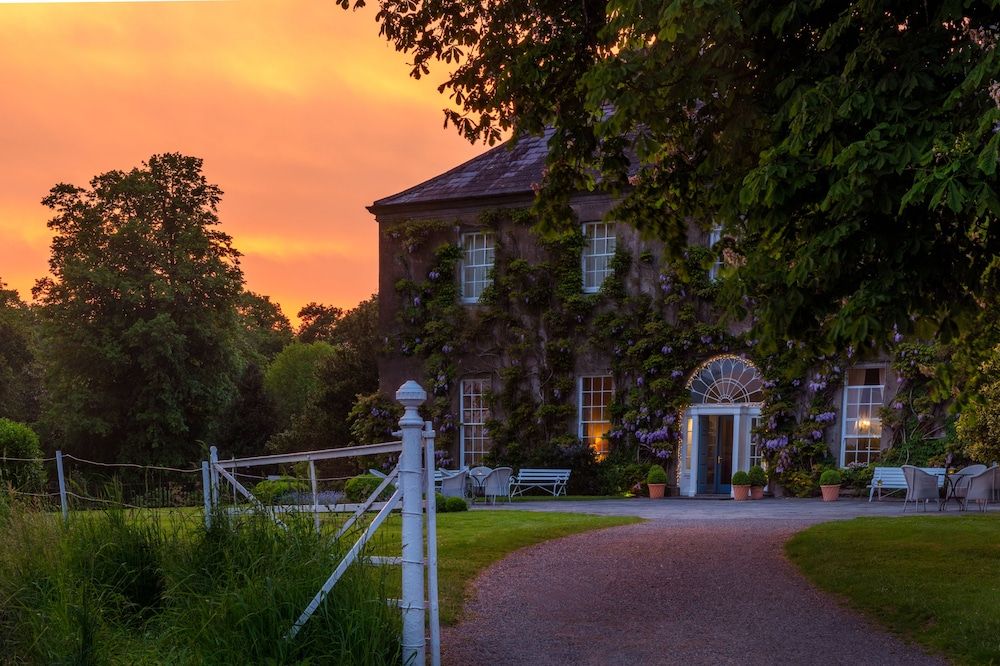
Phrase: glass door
(715, 460)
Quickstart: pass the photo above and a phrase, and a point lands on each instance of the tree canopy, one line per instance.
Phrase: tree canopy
(140, 312)
(20, 386)
(849, 148)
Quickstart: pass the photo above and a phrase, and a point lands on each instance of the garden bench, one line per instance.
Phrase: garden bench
(550, 480)
(892, 479)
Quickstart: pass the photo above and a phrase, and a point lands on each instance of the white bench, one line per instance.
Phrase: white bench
(893, 480)
(550, 480)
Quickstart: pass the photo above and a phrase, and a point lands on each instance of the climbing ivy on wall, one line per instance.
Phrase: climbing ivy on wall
(652, 323)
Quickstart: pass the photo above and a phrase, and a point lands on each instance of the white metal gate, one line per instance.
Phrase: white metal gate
(415, 490)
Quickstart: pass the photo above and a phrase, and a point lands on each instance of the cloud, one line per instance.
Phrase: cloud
(302, 114)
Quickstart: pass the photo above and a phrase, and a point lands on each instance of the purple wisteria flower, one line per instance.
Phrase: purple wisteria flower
(666, 349)
(825, 417)
(416, 300)
(676, 373)
(897, 405)
(433, 275)
(706, 339)
(817, 434)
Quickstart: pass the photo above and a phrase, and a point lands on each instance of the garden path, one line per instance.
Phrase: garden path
(667, 591)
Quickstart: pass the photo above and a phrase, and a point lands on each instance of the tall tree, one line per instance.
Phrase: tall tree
(140, 312)
(318, 322)
(20, 385)
(340, 377)
(851, 147)
(267, 329)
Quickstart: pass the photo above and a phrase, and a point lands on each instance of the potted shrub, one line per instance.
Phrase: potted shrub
(758, 479)
(829, 483)
(656, 479)
(741, 486)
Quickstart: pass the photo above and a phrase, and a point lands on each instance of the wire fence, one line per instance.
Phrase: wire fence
(70, 482)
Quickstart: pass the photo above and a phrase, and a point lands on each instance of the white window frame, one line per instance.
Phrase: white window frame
(478, 256)
(874, 418)
(600, 245)
(714, 236)
(474, 441)
(586, 391)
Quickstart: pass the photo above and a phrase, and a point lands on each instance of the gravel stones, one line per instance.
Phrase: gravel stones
(664, 592)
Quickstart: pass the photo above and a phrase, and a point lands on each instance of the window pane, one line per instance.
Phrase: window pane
(862, 425)
(595, 400)
(597, 251)
(477, 261)
(475, 440)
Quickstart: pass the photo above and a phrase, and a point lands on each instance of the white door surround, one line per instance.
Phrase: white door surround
(722, 386)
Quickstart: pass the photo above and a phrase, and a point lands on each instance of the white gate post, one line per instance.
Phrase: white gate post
(213, 460)
(432, 553)
(411, 395)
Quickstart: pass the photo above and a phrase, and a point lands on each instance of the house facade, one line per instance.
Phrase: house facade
(591, 347)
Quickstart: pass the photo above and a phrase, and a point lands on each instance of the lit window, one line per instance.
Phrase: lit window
(714, 236)
(595, 412)
(597, 253)
(475, 441)
(862, 439)
(477, 262)
(688, 442)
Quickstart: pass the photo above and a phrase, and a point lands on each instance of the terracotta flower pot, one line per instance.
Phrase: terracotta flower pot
(741, 493)
(830, 493)
(656, 490)
(756, 492)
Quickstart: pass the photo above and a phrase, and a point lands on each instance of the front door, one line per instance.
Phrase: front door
(715, 463)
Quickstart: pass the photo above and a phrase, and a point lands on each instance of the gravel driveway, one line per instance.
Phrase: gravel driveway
(663, 592)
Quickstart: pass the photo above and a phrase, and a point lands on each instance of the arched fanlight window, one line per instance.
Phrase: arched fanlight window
(726, 380)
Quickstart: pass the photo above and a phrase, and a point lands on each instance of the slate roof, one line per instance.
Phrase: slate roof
(503, 170)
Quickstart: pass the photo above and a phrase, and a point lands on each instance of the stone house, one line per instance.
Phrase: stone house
(534, 348)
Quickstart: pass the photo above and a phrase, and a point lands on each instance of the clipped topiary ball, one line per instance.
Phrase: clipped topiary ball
(830, 477)
(741, 478)
(656, 474)
(452, 504)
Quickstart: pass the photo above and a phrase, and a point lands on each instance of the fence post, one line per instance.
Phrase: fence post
(411, 395)
(432, 551)
(315, 493)
(206, 485)
(213, 459)
(63, 499)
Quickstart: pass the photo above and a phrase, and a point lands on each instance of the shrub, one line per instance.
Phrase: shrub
(618, 478)
(361, 487)
(858, 476)
(272, 490)
(800, 483)
(454, 504)
(757, 476)
(741, 478)
(830, 477)
(979, 423)
(19, 441)
(656, 474)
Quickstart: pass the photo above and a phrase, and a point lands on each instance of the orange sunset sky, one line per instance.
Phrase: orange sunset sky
(302, 114)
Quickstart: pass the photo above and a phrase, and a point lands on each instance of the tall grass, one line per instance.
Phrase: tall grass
(143, 587)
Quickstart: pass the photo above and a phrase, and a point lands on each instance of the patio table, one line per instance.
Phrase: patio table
(477, 475)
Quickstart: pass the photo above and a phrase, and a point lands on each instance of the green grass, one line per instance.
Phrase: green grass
(931, 579)
(145, 587)
(468, 542)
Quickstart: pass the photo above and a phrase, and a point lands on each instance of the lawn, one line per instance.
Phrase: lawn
(932, 579)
